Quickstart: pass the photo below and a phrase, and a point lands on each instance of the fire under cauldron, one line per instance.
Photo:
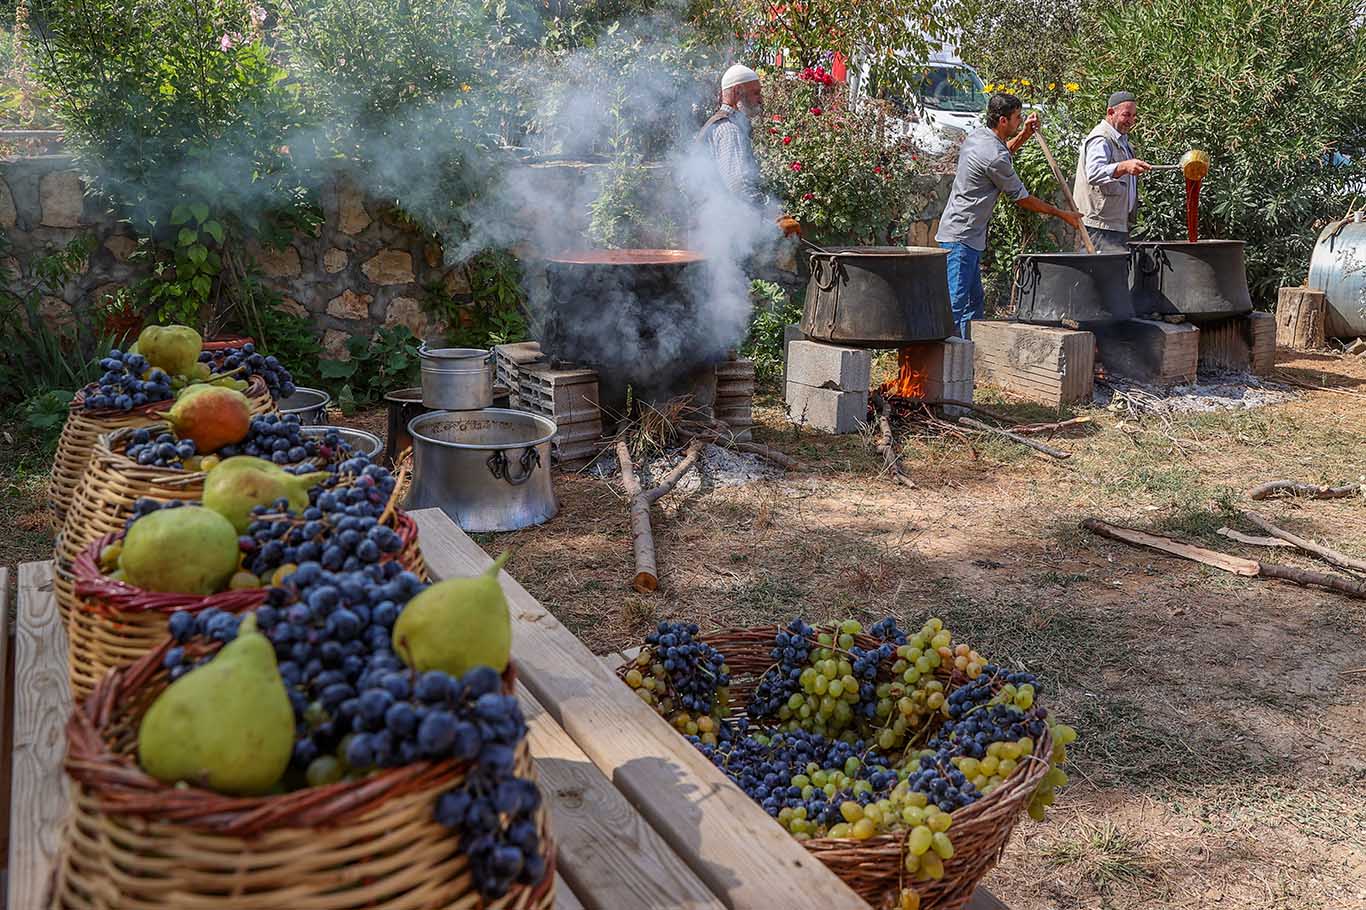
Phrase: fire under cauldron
(1086, 288)
(878, 296)
(1203, 281)
(633, 316)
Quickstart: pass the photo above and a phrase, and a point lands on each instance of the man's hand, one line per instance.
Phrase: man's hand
(1072, 218)
(1133, 167)
(1031, 125)
(789, 226)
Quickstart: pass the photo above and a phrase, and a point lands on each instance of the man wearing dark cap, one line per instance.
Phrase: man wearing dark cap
(1106, 185)
(985, 171)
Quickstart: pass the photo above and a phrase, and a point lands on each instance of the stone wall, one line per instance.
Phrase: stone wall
(363, 268)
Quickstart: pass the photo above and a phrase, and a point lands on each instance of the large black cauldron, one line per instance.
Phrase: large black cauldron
(1086, 288)
(1203, 281)
(631, 315)
(878, 296)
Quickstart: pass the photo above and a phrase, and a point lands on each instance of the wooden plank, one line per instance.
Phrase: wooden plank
(982, 899)
(565, 899)
(609, 855)
(42, 703)
(732, 845)
(1249, 568)
(6, 705)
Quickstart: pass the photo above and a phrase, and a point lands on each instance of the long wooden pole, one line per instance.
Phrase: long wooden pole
(1066, 191)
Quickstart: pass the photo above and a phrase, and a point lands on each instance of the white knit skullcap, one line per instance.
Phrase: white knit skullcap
(738, 75)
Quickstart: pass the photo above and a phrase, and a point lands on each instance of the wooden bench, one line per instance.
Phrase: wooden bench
(640, 817)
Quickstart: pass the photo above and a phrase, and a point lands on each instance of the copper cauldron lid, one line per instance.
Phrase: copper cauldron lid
(626, 257)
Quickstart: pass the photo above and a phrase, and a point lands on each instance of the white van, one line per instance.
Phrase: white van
(944, 101)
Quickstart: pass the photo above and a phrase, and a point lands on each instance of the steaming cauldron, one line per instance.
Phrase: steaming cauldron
(632, 316)
(878, 296)
(1203, 281)
(1086, 288)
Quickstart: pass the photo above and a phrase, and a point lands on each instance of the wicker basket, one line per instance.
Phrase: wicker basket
(134, 843)
(873, 867)
(82, 429)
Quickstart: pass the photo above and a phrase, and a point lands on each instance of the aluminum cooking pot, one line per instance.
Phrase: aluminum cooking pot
(364, 443)
(488, 470)
(309, 404)
(456, 379)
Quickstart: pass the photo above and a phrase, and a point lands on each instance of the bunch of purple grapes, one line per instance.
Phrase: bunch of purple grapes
(161, 451)
(127, 383)
(281, 440)
(246, 362)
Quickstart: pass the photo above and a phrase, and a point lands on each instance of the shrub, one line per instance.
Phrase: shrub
(774, 311)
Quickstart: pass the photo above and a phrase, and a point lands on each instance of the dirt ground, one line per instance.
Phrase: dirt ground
(1222, 758)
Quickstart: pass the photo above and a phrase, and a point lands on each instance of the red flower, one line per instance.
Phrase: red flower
(796, 166)
(772, 131)
(807, 197)
(877, 170)
(817, 111)
(787, 140)
(777, 118)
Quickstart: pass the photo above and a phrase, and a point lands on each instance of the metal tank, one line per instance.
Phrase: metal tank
(1338, 268)
(1085, 288)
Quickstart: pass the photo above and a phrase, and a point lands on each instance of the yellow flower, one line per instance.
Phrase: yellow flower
(987, 88)
(464, 86)
(1072, 86)
(1052, 85)
(1024, 82)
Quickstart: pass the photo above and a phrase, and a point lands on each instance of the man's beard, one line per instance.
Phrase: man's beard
(752, 111)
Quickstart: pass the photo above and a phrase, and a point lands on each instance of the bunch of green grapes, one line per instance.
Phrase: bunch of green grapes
(1063, 736)
(828, 690)
(686, 681)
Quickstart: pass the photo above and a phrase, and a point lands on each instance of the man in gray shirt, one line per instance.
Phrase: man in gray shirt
(985, 171)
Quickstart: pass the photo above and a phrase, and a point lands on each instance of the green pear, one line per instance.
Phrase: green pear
(188, 550)
(227, 725)
(457, 624)
(239, 484)
(174, 348)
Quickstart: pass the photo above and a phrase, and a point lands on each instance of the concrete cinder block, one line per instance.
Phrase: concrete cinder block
(791, 333)
(828, 366)
(827, 410)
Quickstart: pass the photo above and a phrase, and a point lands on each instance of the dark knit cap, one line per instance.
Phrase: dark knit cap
(1119, 98)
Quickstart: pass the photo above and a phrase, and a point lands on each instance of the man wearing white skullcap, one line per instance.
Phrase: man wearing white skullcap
(726, 135)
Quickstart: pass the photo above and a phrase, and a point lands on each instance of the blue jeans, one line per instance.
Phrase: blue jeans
(966, 296)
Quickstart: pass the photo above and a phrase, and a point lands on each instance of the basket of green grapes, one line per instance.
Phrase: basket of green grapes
(901, 761)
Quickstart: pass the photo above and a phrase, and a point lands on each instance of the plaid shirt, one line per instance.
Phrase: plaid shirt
(733, 153)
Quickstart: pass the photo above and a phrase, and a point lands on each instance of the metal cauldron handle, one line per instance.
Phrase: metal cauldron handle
(1025, 280)
(498, 465)
(424, 351)
(836, 267)
(1150, 260)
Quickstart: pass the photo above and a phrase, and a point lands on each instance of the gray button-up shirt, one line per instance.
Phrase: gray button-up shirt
(1100, 168)
(985, 171)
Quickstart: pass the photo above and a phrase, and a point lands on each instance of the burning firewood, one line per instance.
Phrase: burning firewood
(642, 536)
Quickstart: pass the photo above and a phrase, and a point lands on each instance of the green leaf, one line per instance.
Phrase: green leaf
(397, 362)
(203, 284)
(180, 214)
(214, 230)
(201, 211)
(187, 236)
(197, 254)
(337, 369)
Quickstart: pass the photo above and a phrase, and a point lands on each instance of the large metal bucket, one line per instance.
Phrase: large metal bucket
(1203, 281)
(1085, 288)
(403, 405)
(488, 470)
(457, 379)
(878, 296)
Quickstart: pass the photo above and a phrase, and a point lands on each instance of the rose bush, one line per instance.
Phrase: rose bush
(833, 164)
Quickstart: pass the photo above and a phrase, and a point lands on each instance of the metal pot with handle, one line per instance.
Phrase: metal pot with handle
(488, 470)
(456, 379)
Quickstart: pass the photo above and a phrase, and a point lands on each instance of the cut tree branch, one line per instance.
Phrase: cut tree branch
(642, 536)
(886, 442)
(1274, 488)
(1327, 554)
(985, 428)
(1254, 541)
(1223, 561)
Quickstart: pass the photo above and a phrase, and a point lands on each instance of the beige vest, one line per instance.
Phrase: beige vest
(1105, 206)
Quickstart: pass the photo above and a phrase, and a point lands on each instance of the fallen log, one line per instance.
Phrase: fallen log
(1341, 560)
(642, 536)
(1274, 488)
(1223, 561)
(722, 434)
(1032, 428)
(986, 428)
(886, 442)
(1227, 563)
(781, 459)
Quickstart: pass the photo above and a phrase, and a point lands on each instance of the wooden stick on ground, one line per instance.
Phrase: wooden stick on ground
(1050, 427)
(781, 459)
(985, 428)
(721, 433)
(1254, 541)
(642, 536)
(1238, 566)
(1274, 488)
(886, 442)
(1327, 554)
(969, 406)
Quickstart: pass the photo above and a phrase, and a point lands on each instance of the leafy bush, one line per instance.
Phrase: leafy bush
(378, 365)
(833, 165)
(774, 310)
(292, 339)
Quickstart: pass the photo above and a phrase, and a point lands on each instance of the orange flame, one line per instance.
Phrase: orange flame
(910, 381)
